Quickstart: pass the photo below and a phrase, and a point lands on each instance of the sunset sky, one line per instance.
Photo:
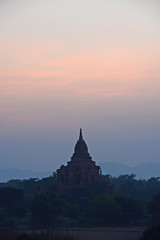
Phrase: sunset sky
(71, 64)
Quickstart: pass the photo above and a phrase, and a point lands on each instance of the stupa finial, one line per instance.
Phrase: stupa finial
(80, 135)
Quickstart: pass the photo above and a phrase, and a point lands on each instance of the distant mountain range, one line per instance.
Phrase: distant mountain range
(144, 170)
(14, 173)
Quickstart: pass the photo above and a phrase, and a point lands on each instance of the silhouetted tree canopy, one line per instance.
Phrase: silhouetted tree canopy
(114, 200)
(71, 210)
(104, 208)
(46, 206)
(131, 209)
(154, 208)
(10, 195)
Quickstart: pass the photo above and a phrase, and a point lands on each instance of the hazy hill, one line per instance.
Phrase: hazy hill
(14, 173)
(144, 170)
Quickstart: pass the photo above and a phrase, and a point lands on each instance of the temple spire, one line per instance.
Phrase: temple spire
(80, 135)
(81, 149)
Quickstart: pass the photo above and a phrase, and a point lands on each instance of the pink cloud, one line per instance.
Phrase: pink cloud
(33, 72)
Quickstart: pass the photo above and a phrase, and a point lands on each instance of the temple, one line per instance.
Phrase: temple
(81, 170)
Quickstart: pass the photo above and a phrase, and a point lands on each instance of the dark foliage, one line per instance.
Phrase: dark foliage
(152, 233)
(46, 207)
(18, 209)
(10, 195)
(71, 210)
(113, 201)
(154, 209)
(83, 195)
(127, 185)
(104, 208)
(132, 210)
(11, 203)
(123, 185)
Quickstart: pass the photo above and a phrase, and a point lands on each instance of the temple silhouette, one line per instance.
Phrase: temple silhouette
(81, 170)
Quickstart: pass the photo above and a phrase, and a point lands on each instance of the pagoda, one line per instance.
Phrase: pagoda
(81, 170)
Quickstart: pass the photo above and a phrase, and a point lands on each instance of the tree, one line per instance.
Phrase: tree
(71, 210)
(46, 207)
(104, 208)
(9, 195)
(18, 209)
(132, 209)
(154, 208)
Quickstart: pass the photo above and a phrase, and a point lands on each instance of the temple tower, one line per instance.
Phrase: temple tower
(81, 170)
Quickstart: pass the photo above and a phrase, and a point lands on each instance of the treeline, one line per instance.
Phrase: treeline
(114, 201)
(128, 185)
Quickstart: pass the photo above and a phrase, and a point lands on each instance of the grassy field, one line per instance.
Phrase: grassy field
(89, 233)
(106, 233)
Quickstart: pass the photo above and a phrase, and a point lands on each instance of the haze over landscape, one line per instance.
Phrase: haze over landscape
(71, 64)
